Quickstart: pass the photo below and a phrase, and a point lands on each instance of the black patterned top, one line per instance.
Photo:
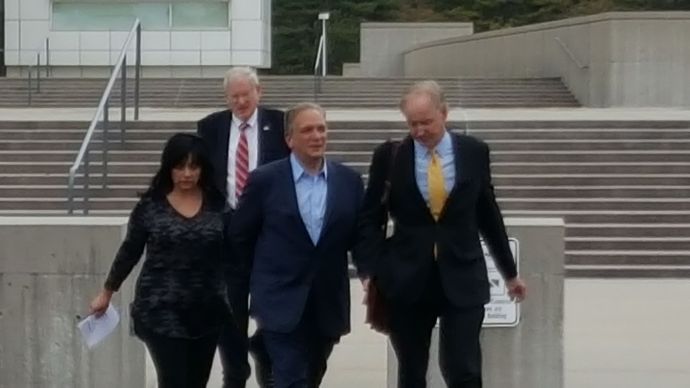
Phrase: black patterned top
(181, 290)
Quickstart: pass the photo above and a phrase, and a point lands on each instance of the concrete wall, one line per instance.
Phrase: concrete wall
(168, 52)
(50, 269)
(382, 44)
(352, 70)
(630, 59)
(531, 354)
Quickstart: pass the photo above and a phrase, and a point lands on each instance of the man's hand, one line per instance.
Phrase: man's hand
(517, 289)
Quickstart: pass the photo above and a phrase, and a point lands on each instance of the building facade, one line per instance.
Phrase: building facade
(83, 38)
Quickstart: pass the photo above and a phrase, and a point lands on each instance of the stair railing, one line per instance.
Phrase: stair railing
(82, 158)
(29, 79)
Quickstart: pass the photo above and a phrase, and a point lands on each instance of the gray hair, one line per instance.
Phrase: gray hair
(291, 114)
(429, 88)
(241, 72)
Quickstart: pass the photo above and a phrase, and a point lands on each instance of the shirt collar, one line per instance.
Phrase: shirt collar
(236, 121)
(442, 148)
(298, 171)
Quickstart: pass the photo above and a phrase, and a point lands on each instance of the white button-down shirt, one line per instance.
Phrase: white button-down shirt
(252, 141)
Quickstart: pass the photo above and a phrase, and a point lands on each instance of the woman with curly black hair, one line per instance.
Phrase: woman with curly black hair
(180, 300)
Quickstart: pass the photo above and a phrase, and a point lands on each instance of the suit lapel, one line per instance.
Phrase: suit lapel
(260, 124)
(407, 176)
(224, 143)
(332, 198)
(461, 177)
(291, 191)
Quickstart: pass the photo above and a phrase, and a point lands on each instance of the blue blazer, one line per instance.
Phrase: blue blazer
(287, 268)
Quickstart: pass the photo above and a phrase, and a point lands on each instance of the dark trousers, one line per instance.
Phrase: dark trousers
(299, 358)
(180, 362)
(233, 344)
(460, 356)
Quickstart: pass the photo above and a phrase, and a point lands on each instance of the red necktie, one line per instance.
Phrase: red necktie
(241, 161)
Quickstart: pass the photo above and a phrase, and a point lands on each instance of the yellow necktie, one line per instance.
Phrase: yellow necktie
(437, 187)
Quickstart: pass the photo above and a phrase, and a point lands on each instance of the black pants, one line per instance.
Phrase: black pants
(180, 362)
(460, 356)
(233, 344)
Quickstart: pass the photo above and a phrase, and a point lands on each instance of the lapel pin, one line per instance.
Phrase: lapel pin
(266, 128)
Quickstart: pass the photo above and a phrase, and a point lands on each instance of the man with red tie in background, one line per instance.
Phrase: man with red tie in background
(239, 139)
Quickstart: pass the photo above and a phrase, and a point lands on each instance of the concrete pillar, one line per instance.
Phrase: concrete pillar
(50, 268)
(530, 354)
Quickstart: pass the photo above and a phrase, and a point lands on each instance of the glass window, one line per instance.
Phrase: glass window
(200, 15)
(88, 16)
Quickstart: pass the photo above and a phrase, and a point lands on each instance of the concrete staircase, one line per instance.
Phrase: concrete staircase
(622, 187)
(284, 91)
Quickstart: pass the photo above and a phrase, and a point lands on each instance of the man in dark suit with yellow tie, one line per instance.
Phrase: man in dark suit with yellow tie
(436, 187)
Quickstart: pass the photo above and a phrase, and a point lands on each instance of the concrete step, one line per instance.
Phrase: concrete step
(365, 132)
(547, 192)
(10, 188)
(368, 145)
(628, 257)
(628, 243)
(627, 271)
(561, 204)
(517, 127)
(606, 216)
(627, 230)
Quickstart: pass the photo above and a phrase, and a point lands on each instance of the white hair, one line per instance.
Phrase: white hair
(428, 88)
(241, 72)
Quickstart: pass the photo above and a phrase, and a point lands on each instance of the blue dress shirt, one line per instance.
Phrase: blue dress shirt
(311, 193)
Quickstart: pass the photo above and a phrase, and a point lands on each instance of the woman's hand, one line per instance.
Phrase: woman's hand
(100, 303)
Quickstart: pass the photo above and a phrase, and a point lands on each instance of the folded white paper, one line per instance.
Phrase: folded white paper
(94, 330)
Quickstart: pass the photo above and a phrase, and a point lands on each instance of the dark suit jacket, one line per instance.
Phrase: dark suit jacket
(214, 129)
(287, 267)
(402, 264)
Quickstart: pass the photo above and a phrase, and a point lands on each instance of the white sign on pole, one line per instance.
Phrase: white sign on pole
(500, 311)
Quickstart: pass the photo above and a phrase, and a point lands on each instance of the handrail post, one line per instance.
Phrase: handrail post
(105, 143)
(85, 195)
(38, 72)
(47, 57)
(70, 193)
(324, 64)
(123, 100)
(137, 74)
(30, 87)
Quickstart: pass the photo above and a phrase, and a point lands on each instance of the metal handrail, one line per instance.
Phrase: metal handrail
(317, 78)
(83, 155)
(46, 48)
(570, 54)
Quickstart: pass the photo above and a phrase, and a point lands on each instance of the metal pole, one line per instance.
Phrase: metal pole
(86, 182)
(70, 194)
(325, 48)
(123, 100)
(38, 72)
(137, 71)
(105, 143)
(30, 86)
(47, 57)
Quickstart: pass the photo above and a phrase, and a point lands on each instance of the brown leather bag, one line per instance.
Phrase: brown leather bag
(377, 311)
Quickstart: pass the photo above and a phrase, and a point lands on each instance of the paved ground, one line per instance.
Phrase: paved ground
(155, 114)
(618, 333)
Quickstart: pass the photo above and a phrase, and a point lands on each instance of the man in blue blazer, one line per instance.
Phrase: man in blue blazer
(239, 139)
(294, 225)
